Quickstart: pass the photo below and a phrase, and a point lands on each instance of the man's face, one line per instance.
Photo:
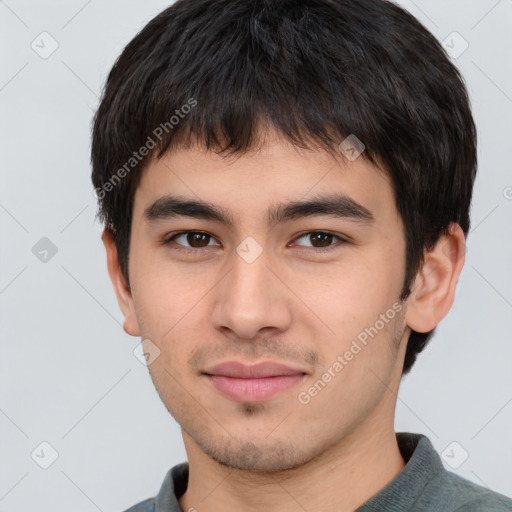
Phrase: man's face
(257, 291)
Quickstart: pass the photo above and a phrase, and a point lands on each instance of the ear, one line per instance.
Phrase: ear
(123, 293)
(434, 287)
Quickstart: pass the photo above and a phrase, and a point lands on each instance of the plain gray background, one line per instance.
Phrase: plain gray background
(69, 376)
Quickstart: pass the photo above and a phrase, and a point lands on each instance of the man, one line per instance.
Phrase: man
(285, 187)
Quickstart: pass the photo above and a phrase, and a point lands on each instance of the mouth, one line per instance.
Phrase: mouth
(253, 383)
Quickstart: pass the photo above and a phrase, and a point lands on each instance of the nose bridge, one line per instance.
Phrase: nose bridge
(249, 284)
(249, 298)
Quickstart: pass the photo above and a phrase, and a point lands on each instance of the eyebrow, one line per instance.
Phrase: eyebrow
(336, 205)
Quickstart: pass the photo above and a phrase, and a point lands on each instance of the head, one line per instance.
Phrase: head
(231, 120)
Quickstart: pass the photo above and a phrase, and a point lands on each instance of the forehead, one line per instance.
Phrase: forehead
(255, 182)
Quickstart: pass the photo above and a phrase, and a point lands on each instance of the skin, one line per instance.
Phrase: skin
(292, 305)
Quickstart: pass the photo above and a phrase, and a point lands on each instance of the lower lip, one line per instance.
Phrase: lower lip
(254, 390)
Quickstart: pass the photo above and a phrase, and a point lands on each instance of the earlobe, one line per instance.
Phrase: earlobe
(121, 288)
(433, 291)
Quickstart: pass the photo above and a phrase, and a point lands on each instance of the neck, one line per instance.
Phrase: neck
(342, 478)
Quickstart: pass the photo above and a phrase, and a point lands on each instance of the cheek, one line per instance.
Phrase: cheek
(354, 377)
(172, 312)
(348, 298)
(360, 310)
(165, 293)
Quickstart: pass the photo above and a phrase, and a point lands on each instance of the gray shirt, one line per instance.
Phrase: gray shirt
(423, 485)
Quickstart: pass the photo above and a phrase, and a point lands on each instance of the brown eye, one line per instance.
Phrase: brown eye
(324, 239)
(320, 239)
(194, 239)
(197, 239)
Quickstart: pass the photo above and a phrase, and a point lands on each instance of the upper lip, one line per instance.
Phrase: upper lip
(240, 370)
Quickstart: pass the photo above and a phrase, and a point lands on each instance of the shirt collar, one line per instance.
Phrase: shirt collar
(422, 464)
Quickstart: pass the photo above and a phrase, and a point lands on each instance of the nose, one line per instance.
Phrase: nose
(251, 299)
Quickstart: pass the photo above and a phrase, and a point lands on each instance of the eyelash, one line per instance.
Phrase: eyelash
(170, 238)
